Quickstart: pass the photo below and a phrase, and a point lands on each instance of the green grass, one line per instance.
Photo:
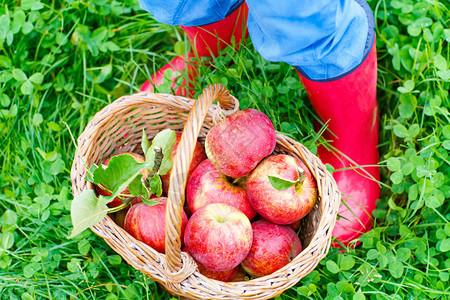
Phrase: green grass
(60, 62)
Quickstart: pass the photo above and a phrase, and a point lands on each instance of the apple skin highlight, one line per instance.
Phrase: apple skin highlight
(274, 246)
(218, 236)
(207, 185)
(239, 142)
(147, 223)
(285, 206)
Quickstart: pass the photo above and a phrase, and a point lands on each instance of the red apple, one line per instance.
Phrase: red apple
(116, 201)
(199, 156)
(240, 276)
(239, 142)
(282, 206)
(218, 236)
(295, 225)
(147, 223)
(119, 217)
(207, 186)
(274, 246)
(225, 276)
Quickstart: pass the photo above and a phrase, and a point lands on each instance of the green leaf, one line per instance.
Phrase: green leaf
(407, 105)
(447, 229)
(150, 202)
(446, 145)
(444, 276)
(445, 75)
(37, 78)
(53, 126)
(393, 206)
(408, 86)
(414, 130)
(4, 100)
(280, 184)
(346, 263)
(383, 261)
(31, 4)
(120, 169)
(414, 30)
(165, 140)
(332, 267)
(19, 75)
(57, 167)
(181, 47)
(90, 174)
(27, 28)
(440, 62)
(112, 46)
(11, 113)
(115, 259)
(9, 217)
(359, 296)
(4, 26)
(424, 22)
(87, 210)
(5, 61)
(156, 185)
(404, 231)
(373, 254)
(445, 245)
(432, 202)
(396, 269)
(18, 20)
(446, 132)
(37, 119)
(400, 131)
(7, 240)
(5, 76)
(27, 88)
(396, 177)
(344, 286)
(407, 168)
(137, 187)
(145, 144)
(403, 254)
(393, 164)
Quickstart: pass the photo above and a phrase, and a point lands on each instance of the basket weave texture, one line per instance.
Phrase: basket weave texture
(118, 128)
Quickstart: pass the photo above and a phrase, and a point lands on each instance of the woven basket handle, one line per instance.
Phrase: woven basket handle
(181, 164)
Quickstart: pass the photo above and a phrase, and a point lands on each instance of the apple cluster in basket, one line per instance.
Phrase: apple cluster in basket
(243, 203)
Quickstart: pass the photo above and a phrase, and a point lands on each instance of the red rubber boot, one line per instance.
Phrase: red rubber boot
(206, 41)
(349, 105)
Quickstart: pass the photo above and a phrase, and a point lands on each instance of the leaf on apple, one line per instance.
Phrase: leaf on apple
(150, 202)
(119, 170)
(87, 210)
(138, 188)
(145, 144)
(280, 184)
(156, 185)
(165, 140)
(90, 174)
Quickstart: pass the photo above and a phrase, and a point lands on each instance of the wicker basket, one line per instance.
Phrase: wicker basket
(118, 128)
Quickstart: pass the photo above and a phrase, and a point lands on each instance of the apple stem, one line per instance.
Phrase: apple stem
(158, 160)
(235, 181)
(120, 207)
(301, 175)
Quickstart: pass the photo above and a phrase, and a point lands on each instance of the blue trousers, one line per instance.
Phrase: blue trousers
(323, 39)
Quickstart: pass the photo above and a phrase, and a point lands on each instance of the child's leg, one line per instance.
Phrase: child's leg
(206, 40)
(331, 43)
